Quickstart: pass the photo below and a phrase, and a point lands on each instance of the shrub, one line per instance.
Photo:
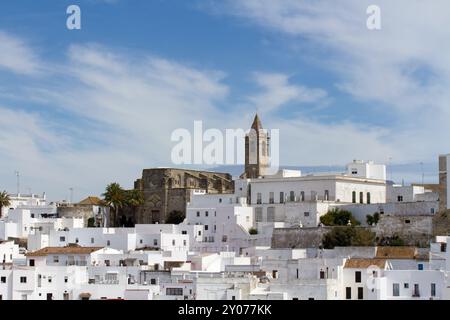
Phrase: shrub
(253, 231)
(348, 236)
(338, 217)
(175, 217)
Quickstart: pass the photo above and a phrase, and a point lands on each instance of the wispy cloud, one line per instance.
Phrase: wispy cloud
(16, 56)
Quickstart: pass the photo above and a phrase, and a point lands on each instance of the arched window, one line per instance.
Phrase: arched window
(354, 197)
(368, 197)
(361, 197)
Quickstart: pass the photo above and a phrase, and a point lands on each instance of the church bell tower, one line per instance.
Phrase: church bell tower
(256, 151)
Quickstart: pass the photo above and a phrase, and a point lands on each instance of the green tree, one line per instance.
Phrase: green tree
(175, 217)
(115, 197)
(5, 201)
(373, 220)
(348, 236)
(253, 231)
(91, 222)
(134, 198)
(338, 217)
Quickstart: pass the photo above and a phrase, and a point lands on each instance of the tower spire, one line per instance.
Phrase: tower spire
(256, 125)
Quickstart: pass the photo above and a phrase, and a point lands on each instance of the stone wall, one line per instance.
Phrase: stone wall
(76, 212)
(413, 230)
(298, 237)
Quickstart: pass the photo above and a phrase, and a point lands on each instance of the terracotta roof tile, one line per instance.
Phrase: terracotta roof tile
(364, 263)
(63, 250)
(396, 252)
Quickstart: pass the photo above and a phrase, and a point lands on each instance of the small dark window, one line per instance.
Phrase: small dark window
(31, 262)
(407, 221)
(358, 276)
(23, 279)
(3, 279)
(348, 293)
(360, 293)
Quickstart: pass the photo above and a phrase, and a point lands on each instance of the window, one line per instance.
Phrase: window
(258, 214)
(55, 259)
(326, 195)
(31, 262)
(258, 198)
(281, 197)
(361, 197)
(297, 273)
(306, 214)
(220, 200)
(433, 289)
(62, 239)
(206, 213)
(271, 214)
(354, 171)
(76, 240)
(206, 227)
(174, 291)
(24, 297)
(140, 241)
(302, 196)
(432, 210)
(224, 238)
(292, 196)
(354, 197)
(23, 279)
(66, 279)
(358, 276)
(406, 285)
(108, 243)
(155, 242)
(3, 279)
(173, 242)
(92, 240)
(443, 247)
(271, 197)
(49, 279)
(407, 221)
(322, 274)
(400, 198)
(215, 228)
(184, 232)
(152, 281)
(199, 232)
(416, 292)
(360, 293)
(184, 243)
(198, 213)
(396, 289)
(348, 293)
(368, 197)
(420, 266)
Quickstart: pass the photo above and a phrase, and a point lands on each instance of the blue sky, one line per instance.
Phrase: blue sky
(81, 108)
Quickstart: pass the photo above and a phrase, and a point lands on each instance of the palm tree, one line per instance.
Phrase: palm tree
(135, 198)
(115, 197)
(5, 201)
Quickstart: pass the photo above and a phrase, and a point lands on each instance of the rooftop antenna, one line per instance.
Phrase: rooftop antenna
(71, 194)
(17, 173)
(423, 174)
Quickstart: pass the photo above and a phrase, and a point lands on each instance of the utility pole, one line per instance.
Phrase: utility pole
(423, 174)
(17, 173)
(71, 195)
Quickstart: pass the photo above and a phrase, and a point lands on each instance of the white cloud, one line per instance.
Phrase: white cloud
(404, 69)
(277, 91)
(16, 56)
